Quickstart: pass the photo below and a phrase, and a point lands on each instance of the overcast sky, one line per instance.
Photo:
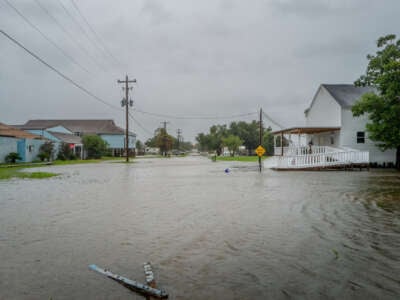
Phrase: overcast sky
(190, 58)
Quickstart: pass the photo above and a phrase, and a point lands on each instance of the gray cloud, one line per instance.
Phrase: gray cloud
(189, 57)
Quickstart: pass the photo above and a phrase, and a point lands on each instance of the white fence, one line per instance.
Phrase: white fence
(320, 156)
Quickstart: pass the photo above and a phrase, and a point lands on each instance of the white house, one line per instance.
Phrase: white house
(332, 136)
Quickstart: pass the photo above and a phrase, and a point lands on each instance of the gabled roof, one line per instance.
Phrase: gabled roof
(67, 138)
(84, 126)
(347, 94)
(10, 131)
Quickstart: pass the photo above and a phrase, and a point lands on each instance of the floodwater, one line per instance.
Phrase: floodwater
(208, 234)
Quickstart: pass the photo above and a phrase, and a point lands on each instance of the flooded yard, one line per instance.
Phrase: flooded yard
(209, 234)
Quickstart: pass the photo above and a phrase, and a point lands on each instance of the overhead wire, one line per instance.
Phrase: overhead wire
(94, 32)
(195, 117)
(57, 71)
(70, 36)
(272, 120)
(73, 60)
(74, 20)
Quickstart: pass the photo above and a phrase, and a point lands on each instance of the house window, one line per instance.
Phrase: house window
(30, 148)
(360, 137)
(78, 133)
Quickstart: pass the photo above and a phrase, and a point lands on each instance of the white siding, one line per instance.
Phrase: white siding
(324, 112)
(348, 138)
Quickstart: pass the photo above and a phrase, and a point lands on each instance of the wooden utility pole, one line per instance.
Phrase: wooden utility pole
(179, 131)
(165, 137)
(126, 102)
(260, 141)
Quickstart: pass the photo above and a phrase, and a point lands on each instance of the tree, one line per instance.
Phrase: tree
(46, 151)
(248, 132)
(65, 152)
(232, 142)
(213, 140)
(383, 107)
(268, 141)
(139, 147)
(12, 157)
(95, 146)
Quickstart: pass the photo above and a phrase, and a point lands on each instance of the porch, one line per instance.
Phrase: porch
(294, 149)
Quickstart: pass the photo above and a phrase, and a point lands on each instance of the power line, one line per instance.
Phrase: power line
(46, 37)
(140, 125)
(195, 117)
(94, 32)
(93, 42)
(78, 44)
(57, 71)
(272, 120)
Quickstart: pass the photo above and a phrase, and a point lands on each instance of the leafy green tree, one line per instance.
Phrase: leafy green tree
(12, 157)
(95, 146)
(383, 107)
(248, 132)
(46, 151)
(232, 142)
(213, 140)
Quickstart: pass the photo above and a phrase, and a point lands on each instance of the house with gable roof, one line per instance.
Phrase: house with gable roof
(113, 135)
(332, 136)
(26, 144)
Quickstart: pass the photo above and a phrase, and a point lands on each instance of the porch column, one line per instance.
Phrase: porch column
(281, 143)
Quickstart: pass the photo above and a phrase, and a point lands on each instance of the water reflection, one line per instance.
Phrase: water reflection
(209, 234)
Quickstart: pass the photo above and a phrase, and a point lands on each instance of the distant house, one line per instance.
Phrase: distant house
(26, 144)
(58, 135)
(332, 135)
(106, 129)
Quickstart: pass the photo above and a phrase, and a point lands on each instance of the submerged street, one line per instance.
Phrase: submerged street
(209, 234)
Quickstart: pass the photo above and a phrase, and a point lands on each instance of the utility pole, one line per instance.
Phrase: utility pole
(126, 102)
(165, 137)
(179, 131)
(261, 134)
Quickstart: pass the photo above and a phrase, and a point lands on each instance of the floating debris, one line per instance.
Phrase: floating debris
(131, 284)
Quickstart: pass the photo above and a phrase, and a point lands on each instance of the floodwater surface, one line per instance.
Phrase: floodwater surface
(209, 234)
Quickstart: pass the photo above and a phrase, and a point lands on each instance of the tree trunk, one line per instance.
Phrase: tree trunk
(398, 158)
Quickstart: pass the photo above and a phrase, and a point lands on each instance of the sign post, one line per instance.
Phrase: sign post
(260, 152)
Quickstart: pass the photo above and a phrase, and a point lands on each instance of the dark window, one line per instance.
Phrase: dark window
(360, 137)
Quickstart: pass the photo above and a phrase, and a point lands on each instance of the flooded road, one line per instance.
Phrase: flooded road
(209, 234)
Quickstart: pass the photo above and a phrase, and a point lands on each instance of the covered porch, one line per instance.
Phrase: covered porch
(313, 148)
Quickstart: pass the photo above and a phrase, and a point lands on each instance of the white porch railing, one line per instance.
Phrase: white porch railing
(303, 150)
(321, 156)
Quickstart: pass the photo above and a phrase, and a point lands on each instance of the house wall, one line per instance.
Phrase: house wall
(7, 145)
(325, 139)
(32, 149)
(348, 138)
(118, 140)
(324, 111)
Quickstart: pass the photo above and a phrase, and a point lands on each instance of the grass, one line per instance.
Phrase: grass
(7, 173)
(239, 158)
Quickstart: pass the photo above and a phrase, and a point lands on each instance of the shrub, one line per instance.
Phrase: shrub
(45, 151)
(12, 157)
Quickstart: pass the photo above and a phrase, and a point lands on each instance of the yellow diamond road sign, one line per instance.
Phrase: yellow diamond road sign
(260, 150)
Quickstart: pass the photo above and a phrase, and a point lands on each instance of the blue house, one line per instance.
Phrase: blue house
(26, 144)
(106, 129)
